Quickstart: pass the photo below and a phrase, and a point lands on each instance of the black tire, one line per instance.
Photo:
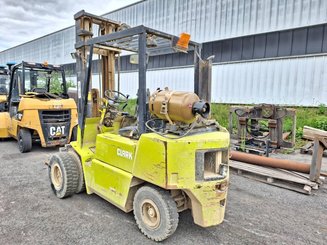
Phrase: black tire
(149, 204)
(63, 174)
(81, 183)
(24, 140)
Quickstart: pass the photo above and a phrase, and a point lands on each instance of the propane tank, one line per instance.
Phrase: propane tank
(175, 106)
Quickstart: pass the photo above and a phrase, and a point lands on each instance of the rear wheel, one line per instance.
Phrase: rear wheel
(63, 174)
(81, 182)
(155, 213)
(24, 140)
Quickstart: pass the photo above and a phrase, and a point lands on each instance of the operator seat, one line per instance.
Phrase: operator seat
(128, 127)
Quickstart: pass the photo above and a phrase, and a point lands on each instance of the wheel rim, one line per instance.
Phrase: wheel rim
(20, 143)
(56, 176)
(150, 214)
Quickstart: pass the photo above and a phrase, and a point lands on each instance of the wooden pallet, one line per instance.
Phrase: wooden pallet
(282, 178)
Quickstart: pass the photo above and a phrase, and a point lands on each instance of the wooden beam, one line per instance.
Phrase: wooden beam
(285, 179)
(310, 133)
(316, 161)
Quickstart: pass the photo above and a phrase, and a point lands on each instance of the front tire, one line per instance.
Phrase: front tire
(155, 213)
(63, 174)
(24, 140)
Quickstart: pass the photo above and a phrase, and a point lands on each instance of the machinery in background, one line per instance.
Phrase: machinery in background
(4, 86)
(167, 158)
(38, 107)
(260, 128)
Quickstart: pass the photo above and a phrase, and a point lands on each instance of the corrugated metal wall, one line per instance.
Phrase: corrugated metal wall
(295, 81)
(209, 20)
(287, 81)
(292, 81)
(54, 48)
(206, 20)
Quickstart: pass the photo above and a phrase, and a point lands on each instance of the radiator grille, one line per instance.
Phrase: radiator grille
(61, 116)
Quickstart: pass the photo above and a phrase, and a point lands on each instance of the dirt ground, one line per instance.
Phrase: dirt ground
(256, 213)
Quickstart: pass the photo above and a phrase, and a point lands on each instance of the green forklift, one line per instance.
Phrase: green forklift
(168, 157)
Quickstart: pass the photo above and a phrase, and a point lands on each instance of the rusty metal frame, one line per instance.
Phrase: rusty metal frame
(251, 115)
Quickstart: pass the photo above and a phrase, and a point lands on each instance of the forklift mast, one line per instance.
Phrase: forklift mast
(112, 38)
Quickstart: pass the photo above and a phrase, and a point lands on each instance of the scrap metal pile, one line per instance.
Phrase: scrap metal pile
(260, 127)
(260, 131)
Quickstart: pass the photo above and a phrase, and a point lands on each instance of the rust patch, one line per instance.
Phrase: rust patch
(149, 176)
(172, 187)
(159, 166)
(156, 140)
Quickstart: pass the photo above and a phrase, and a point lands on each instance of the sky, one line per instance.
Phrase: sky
(25, 20)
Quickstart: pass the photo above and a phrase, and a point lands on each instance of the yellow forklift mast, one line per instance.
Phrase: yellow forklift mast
(38, 108)
(168, 157)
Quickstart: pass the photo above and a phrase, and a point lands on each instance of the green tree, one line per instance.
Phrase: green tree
(56, 83)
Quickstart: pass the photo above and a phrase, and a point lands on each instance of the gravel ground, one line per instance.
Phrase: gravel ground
(256, 213)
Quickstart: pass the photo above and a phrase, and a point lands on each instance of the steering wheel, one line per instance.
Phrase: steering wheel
(116, 96)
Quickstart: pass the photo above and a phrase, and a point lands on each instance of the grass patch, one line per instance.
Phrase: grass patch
(221, 113)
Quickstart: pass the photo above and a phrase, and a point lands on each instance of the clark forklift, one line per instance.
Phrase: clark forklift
(38, 107)
(168, 158)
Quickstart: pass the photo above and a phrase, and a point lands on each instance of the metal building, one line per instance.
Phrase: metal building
(266, 51)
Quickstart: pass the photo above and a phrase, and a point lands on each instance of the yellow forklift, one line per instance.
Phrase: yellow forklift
(4, 85)
(167, 158)
(38, 107)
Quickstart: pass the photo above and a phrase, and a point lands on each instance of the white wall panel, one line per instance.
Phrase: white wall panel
(209, 20)
(293, 81)
(205, 20)
(176, 79)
